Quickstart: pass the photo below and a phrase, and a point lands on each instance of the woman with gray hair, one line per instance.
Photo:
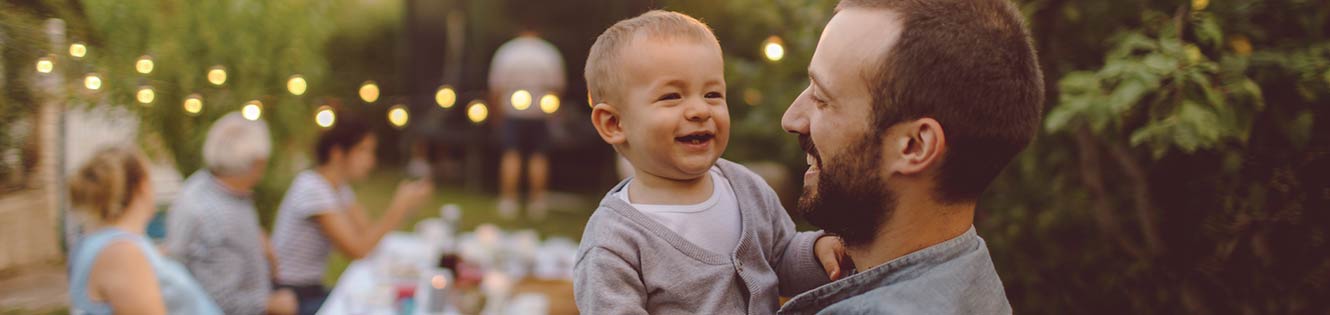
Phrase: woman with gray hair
(213, 227)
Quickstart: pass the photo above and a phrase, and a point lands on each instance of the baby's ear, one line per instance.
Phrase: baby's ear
(609, 123)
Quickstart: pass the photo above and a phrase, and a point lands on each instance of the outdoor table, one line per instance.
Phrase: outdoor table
(361, 274)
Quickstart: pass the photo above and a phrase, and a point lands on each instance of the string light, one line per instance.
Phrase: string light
(145, 95)
(193, 104)
(325, 117)
(144, 65)
(521, 100)
(78, 50)
(217, 75)
(92, 81)
(446, 96)
(773, 48)
(45, 64)
(253, 110)
(296, 85)
(369, 92)
(549, 103)
(477, 111)
(397, 116)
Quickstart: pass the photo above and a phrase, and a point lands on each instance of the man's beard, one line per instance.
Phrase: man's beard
(851, 198)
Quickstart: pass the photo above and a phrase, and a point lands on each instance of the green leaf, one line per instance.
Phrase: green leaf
(1208, 31)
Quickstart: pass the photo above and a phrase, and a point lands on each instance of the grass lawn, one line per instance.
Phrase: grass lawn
(565, 219)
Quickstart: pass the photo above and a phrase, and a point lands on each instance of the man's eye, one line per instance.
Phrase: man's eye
(670, 96)
(715, 95)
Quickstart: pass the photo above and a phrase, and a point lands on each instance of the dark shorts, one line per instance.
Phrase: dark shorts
(309, 297)
(525, 135)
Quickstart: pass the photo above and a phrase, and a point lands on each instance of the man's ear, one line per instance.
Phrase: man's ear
(919, 143)
(609, 123)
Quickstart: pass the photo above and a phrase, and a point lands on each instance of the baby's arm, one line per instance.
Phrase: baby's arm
(797, 267)
(791, 254)
(605, 283)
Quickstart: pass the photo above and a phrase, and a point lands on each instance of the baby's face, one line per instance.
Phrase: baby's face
(674, 114)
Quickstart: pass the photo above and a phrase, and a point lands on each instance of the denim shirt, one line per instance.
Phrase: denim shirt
(952, 277)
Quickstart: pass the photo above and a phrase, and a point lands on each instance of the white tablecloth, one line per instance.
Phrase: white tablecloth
(361, 275)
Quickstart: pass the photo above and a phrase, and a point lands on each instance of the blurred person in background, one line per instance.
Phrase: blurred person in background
(524, 71)
(115, 269)
(320, 212)
(213, 227)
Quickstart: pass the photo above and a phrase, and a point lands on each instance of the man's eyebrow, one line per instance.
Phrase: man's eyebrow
(817, 85)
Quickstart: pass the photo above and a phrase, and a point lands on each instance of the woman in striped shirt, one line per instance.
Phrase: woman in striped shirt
(320, 212)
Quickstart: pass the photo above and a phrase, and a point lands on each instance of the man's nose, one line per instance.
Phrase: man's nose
(795, 119)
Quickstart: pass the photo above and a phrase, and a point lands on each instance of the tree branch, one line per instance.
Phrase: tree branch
(1093, 178)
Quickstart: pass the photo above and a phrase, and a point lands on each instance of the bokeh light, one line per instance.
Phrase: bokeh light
(549, 103)
(78, 50)
(325, 117)
(398, 116)
(145, 95)
(92, 81)
(521, 100)
(773, 48)
(45, 64)
(193, 104)
(144, 65)
(217, 75)
(369, 92)
(296, 85)
(253, 110)
(477, 111)
(446, 97)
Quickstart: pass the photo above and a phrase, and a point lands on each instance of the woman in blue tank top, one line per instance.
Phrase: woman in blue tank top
(115, 269)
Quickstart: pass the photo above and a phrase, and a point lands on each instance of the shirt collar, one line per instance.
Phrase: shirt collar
(217, 184)
(897, 270)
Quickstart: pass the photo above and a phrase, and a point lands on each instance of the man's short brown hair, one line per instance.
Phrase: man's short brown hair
(603, 74)
(970, 65)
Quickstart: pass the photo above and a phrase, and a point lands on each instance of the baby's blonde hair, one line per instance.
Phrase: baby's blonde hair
(104, 186)
(603, 75)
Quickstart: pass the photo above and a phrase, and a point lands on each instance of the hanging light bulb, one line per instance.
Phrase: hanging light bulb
(325, 117)
(549, 103)
(369, 92)
(78, 50)
(446, 97)
(193, 104)
(296, 85)
(253, 110)
(145, 95)
(773, 48)
(217, 75)
(144, 65)
(477, 111)
(521, 100)
(45, 64)
(92, 81)
(397, 116)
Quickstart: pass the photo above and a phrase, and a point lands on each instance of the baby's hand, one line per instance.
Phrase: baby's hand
(830, 252)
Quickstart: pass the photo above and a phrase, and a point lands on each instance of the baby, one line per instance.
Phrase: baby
(689, 233)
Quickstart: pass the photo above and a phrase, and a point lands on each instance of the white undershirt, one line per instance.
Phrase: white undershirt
(712, 225)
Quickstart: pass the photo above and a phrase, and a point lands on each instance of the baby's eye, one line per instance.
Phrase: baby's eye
(715, 95)
(670, 96)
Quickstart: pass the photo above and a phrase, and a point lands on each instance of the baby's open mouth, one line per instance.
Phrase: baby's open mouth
(696, 137)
